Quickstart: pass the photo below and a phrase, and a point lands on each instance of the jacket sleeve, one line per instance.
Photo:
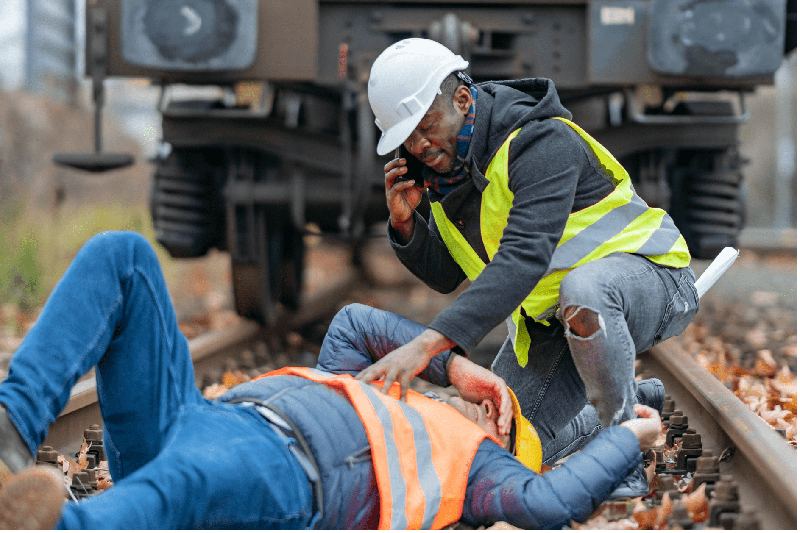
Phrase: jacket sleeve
(427, 257)
(501, 489)
(546, 160)
(360, 335)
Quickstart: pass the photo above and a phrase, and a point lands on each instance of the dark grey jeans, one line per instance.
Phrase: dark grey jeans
(573, 386)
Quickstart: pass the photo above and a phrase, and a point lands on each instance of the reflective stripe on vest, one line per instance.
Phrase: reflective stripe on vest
(620, 222)
(420, 469)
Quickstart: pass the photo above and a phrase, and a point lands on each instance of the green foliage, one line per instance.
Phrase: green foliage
(36, 248)
(20, 270)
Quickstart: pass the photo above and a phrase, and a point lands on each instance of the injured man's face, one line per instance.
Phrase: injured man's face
(485, 414)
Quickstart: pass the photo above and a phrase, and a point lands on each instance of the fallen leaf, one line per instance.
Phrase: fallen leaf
(697, 504)
(771, 403)
(71, 468)
(64, 463)
(231, 379)
(104, 480)
(214, 391)
(721, 371)
(652, 478)
(773, 416)
(791, 431)
(766, 356)
(83, 461)
(685, 483)
(664, 511)
(784, 382)
(764, 369)
(646, 519)
(790, 404)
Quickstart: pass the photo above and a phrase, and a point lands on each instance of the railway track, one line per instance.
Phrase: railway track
(763, 464)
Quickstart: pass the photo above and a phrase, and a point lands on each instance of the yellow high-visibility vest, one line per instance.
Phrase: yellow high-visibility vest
(620, 222)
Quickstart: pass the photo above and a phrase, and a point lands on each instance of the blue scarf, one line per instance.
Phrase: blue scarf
(443, 184)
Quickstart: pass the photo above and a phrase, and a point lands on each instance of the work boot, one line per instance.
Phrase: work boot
(650, 392)
(32, 499)
(14, 453)
(633, 486)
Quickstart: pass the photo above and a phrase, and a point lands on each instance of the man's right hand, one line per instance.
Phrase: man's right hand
(402, 364)
(402, 197)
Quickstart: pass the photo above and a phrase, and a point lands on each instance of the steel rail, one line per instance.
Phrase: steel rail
(764, 465)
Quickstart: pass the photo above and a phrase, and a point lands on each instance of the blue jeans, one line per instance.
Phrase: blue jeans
(573, 386)
(177, 460)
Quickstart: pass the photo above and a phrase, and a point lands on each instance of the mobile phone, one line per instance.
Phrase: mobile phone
(414, 166)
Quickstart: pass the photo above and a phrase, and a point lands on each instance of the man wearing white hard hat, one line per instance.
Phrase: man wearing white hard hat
(545, 223)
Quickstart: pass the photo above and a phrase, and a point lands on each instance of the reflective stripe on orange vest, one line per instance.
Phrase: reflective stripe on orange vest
(420, 468)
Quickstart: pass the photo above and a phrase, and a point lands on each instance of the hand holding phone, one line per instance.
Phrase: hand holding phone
(413, 167)
(401, 198)
(403, 177)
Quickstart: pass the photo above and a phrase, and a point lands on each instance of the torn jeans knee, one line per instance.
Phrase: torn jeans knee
(605, 387)
(579, 319)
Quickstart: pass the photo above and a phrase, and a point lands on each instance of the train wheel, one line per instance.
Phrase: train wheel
(289, 275)
(246, 288)
(707, 203)
(186, 204)
(275, 280)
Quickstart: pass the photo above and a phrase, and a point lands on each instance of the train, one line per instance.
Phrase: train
(286, 146)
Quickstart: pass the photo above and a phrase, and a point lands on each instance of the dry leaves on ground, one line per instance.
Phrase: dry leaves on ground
(640, 514)
(767, 389)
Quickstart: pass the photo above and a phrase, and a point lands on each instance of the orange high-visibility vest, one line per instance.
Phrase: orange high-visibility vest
(422, 450)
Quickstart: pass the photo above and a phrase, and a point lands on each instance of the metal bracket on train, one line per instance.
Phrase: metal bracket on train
(98, 161)
(700, 112)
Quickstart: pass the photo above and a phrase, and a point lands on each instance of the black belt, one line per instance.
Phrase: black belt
(302, 452)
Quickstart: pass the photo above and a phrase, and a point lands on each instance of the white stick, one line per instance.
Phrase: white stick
(716, 269)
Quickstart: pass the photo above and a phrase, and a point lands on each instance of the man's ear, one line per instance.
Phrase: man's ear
(462, 99)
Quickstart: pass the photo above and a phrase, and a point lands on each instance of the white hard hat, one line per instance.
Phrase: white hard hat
(403, 83)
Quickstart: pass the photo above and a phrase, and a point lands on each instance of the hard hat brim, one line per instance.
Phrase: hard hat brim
(528, 445)
(397, 134)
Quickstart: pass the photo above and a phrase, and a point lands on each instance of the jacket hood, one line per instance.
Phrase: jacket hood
(504, 106)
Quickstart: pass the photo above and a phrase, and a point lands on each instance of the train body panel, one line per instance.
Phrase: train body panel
(659, 83)
(199, 42)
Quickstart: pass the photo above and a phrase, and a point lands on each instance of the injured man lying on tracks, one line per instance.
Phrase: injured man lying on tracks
(295, 448)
